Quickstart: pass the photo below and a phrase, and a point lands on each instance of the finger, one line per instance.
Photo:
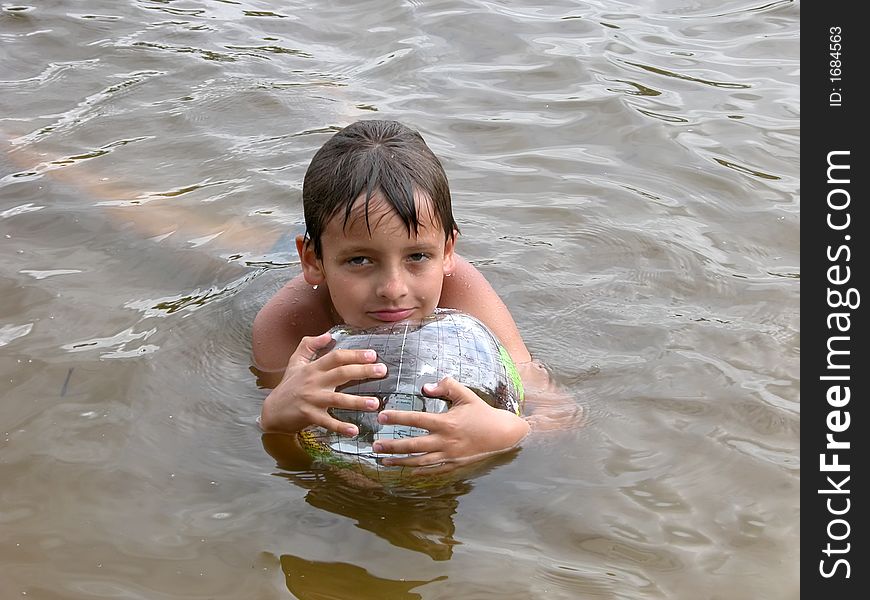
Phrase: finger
(414, 445)
(436, 469)
(308, 348)
(450, 389)
(427, 465)
(340, 358)
(341, 375)
(410, 418)
(334, 425)
(429, 461)
(352, 402)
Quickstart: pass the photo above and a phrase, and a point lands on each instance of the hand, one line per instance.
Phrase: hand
(468, 432)
(307, 389)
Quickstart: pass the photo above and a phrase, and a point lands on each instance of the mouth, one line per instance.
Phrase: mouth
(392, 315)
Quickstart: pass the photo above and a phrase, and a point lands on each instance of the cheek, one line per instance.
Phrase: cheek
(356, 292)
(432, 289)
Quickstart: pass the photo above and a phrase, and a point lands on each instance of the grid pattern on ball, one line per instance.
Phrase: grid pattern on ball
(440, 346)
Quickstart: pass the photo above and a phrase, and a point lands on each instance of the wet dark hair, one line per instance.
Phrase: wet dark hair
(372, 156)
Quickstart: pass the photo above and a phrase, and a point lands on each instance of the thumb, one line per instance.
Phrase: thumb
(308, 349)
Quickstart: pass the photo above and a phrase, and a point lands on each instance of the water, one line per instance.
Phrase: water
(624, 173)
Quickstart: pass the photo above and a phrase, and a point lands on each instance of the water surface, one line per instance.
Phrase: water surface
(624, 173)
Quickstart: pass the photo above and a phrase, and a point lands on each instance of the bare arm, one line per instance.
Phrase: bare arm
(295, 311)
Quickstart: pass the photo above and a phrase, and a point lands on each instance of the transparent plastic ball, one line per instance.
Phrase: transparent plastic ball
(416, 352)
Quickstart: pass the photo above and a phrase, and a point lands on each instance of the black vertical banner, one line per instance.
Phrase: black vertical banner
(834, 228)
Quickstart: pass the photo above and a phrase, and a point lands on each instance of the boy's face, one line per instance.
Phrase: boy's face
(384, 276)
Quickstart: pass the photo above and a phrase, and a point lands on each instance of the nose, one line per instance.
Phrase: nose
(392, 284)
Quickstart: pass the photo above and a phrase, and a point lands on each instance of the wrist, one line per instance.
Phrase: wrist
(514, 431)
(275, 421)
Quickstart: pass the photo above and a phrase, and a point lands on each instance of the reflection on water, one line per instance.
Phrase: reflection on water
(419, 520)
(626, 177)
(309, 580)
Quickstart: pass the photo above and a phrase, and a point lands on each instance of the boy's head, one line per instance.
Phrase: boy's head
(380, 230)
(368, 157)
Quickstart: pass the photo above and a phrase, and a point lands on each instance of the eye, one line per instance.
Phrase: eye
(418, 257)
(358, 261)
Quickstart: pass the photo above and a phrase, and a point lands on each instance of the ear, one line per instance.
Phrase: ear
(449, 254)
(312, 267)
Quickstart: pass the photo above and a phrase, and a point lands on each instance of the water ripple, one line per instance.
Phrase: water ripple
(626, 176)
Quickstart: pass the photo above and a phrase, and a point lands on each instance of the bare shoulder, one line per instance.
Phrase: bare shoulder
(551, 408)
(295, 311)
(469, 291)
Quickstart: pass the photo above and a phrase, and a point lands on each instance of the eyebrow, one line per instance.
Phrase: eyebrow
(417, 247)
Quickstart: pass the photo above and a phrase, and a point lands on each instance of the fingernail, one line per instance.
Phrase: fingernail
(380, 369)
(372, 404)
(378, 447)
(428, 387)
(383, 418)
(388, 461)
(350, 431)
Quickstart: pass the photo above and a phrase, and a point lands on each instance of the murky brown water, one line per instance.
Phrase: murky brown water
(625, 173)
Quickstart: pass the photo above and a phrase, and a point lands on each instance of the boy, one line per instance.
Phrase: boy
(379, 247)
